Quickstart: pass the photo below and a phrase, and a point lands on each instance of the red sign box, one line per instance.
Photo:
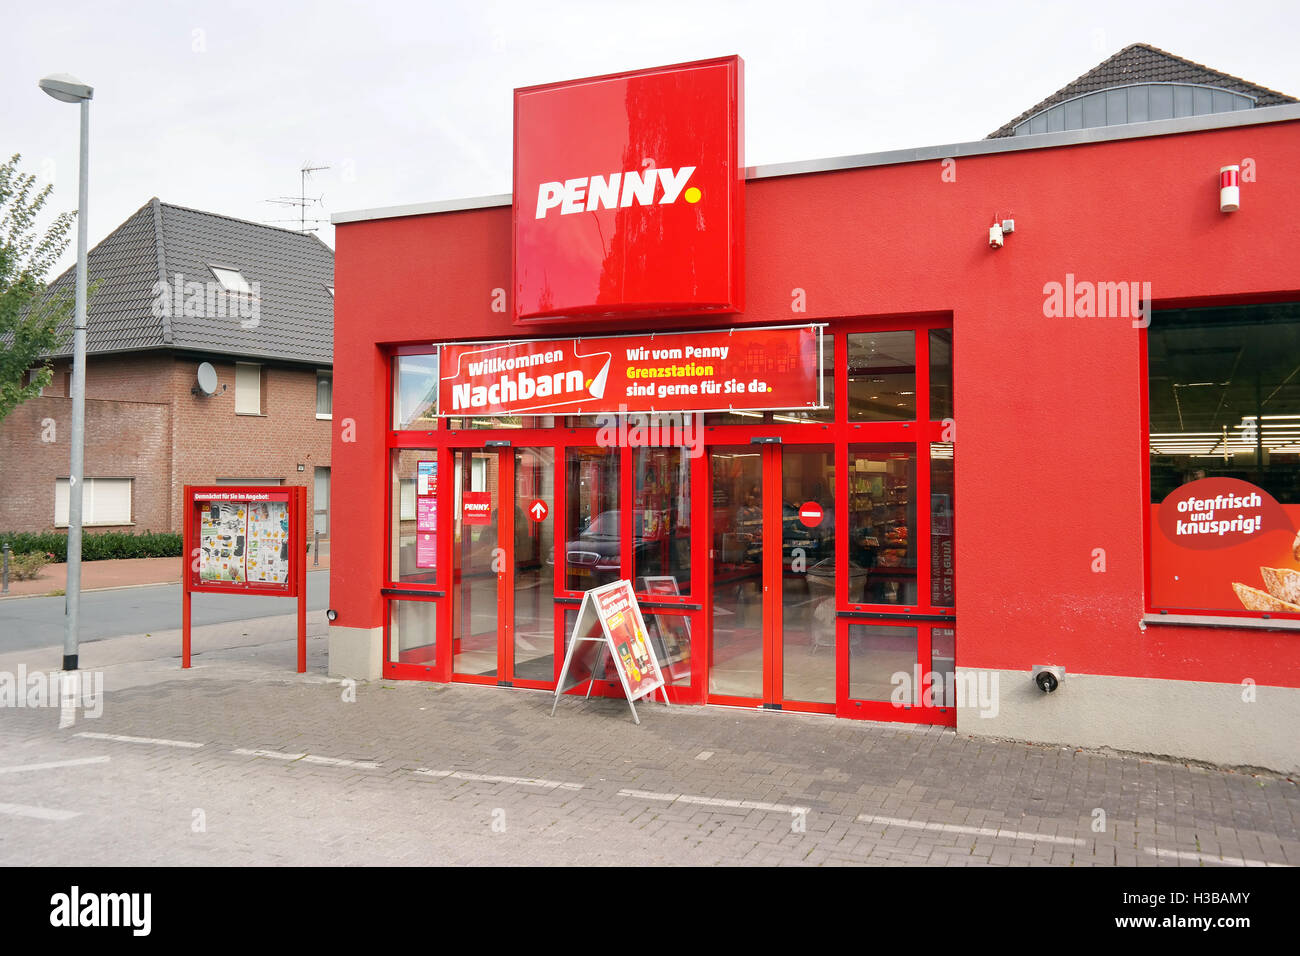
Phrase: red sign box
(629, 193)
(679, 371)
(476, 507)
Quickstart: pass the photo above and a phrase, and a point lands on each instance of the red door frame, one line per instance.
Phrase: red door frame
(697, 606)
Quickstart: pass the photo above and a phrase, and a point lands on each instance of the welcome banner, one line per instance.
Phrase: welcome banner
(738, 369)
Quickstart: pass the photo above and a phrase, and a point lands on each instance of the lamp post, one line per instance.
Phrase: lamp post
(69, 89)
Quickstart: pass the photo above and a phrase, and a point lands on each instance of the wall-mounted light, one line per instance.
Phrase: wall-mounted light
(999, 231)
(302, 467)
(1229, 188)
(331, 614)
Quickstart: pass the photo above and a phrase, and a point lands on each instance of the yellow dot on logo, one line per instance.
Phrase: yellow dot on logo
(692, 195)
(588, 385)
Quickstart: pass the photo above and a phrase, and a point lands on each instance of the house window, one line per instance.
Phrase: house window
(232, 280)
(321, 503)
(104, 501)
(324, 394)
(1224, 422)
(248, 389)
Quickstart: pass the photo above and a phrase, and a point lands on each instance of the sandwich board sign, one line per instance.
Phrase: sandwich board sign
(610, 625)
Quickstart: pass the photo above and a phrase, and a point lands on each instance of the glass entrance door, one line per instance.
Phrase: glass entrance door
(503, 558)
(773, 576)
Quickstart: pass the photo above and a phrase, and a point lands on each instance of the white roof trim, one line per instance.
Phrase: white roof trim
(982, 147)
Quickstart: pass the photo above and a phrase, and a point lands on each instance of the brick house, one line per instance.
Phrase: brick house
(173, 288)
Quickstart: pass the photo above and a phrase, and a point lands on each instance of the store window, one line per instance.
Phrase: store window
(882, 376)
(882, 525)
(593, 551)
(661, 526)
(1224, 425)
(943, 571)
(414, 518)
(415, 392)
(103, 501)
(412, 632)
(940, 374)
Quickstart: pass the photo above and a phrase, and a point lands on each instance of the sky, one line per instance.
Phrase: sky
(218, 105)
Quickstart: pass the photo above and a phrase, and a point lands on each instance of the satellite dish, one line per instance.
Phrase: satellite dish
(207, 379)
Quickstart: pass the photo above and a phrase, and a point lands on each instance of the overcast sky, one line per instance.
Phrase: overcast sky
(216, 105)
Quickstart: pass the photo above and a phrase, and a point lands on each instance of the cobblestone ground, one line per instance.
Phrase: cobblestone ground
(241, 761)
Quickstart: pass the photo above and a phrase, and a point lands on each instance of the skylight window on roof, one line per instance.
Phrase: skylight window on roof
(232, 280)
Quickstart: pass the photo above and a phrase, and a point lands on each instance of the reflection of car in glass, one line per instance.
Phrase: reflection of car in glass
(595, 553)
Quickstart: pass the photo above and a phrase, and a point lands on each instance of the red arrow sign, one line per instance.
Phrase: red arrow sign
(538, 510)
(810, 513)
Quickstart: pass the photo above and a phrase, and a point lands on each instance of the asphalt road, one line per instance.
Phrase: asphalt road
(38, 621)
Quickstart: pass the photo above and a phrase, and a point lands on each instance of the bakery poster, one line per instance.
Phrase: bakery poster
(619, 614)
(1223, 544)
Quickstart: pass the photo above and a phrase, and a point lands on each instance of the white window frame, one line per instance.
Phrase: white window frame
(327, 375)
(241, 394)
(63, 506)
(226, 276)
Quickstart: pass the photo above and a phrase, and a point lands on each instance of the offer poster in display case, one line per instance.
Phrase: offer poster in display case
(241, 539)
(244, 540)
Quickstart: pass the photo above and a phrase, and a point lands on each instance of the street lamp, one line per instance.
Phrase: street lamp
(69, 89)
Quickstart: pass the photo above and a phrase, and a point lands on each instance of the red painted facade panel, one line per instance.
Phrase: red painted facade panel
(1050, 447)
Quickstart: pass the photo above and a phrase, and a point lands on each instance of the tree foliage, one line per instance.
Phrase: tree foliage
(29, 314)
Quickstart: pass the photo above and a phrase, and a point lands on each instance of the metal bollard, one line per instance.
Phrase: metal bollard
(315, 549)
(4, 572)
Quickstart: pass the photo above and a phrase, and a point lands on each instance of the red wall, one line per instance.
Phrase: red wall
(1050, 452)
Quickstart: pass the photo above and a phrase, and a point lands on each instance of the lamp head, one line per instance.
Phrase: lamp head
(66, 87)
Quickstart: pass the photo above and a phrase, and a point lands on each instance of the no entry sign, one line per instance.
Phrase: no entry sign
(811, 514)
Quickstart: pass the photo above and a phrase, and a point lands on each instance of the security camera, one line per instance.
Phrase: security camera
(995, 236)
(1048, 677)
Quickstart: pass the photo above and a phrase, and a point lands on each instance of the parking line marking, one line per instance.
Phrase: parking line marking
(122, 738)
(38, 813)
(713, 801)
(495, 778)
(308, 758)
(1206, 857)
(51, 765)
(975, 831)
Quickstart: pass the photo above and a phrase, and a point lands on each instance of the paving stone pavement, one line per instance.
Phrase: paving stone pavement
(289, 771)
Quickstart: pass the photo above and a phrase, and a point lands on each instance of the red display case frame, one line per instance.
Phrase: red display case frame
(195, 497)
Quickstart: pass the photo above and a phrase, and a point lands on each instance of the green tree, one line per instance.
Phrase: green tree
(29, 314)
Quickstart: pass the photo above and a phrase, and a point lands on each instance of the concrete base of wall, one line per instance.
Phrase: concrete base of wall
(356, 652)
(1225, 724)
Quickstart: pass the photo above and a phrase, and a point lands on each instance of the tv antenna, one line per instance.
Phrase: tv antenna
(301, 200)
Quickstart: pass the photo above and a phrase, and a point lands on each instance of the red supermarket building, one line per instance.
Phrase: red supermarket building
(937, 417)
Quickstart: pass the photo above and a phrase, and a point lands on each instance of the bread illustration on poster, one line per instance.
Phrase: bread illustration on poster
(1281, 588)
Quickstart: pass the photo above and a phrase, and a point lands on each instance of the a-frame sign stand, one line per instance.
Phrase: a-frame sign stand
(622, 636)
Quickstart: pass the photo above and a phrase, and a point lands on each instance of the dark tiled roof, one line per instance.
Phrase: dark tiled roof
(293, 273)
(1143, 63)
